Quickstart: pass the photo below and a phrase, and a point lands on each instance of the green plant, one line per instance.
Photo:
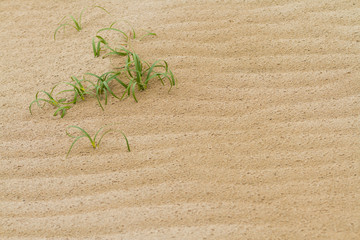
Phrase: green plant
(132, 34)
(97, 47)
(121, 51)
(78, 88)
(94, 143)
(60, 104)
(76, 23)
(125, 42)
(73, 22)
(137, 72)
(140, 73)
(126, 37)
(102, 85)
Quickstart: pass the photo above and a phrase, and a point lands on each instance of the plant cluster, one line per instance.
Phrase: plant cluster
(134, 75)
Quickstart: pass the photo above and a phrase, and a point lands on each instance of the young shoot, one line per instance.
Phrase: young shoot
(60, 104)
(94, 141)
(74, 22)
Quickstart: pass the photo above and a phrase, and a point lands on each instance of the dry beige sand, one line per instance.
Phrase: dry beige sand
(260, 140)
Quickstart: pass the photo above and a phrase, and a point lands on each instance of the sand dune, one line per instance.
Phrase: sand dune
(259, 140)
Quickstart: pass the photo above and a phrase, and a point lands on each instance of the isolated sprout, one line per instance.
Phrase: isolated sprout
(94, 141)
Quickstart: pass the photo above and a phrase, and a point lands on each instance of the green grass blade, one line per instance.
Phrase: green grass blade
(115, 52)
(101, 39)
(63, 111)
(132, 29)
(109, 89)
(98, 132)
(77, 26)
(35, 101)
(150, 71)
(133, 91)
(94, 48)
(102, 9)
(81, 17)
(98, 49)
(112, 24)
(73, 144)
(106, 97)
(106, 132)
(114, 29)
(52, 90)
(94, 75)
(50, 97)
(121, 82)
(98, 94)
(138, 67)
(85, 134)
(58, 28)
(127, 142)
(147, 34)
(78, 82)
(110, 130)
(62, 20)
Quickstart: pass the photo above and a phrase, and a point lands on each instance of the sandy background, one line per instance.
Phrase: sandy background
(260, 140)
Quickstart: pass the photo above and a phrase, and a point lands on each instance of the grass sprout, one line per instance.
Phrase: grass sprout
(76, 23)
(97, 46)
(60, 104)
(102, 86)
(121, 51)
(140, 73)
(125, 38)
(79, 89)
(132, 34)
(147, 34)
(94, 141)
(73, 22)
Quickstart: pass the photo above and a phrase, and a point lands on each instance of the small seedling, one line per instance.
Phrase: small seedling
(132, 34)
(94, 143)
(147, 34)
(140, 76)
(126, 37)
(124, 43)
(78, 88)
(74, 22)
(97, 47)
(60, 104)
(102, 86)
(121, 51)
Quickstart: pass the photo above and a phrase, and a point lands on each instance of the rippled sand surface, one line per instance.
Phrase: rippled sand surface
(260, 139)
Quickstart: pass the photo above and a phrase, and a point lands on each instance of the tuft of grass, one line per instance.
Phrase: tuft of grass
(93, 140)
(140, 73)
(121, 51)
(102, 86)
(125, 42)
(78, 88)
(74, 22)
(97, 47)
(60, 104)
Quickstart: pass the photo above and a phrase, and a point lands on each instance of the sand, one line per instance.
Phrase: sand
(260, 139)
